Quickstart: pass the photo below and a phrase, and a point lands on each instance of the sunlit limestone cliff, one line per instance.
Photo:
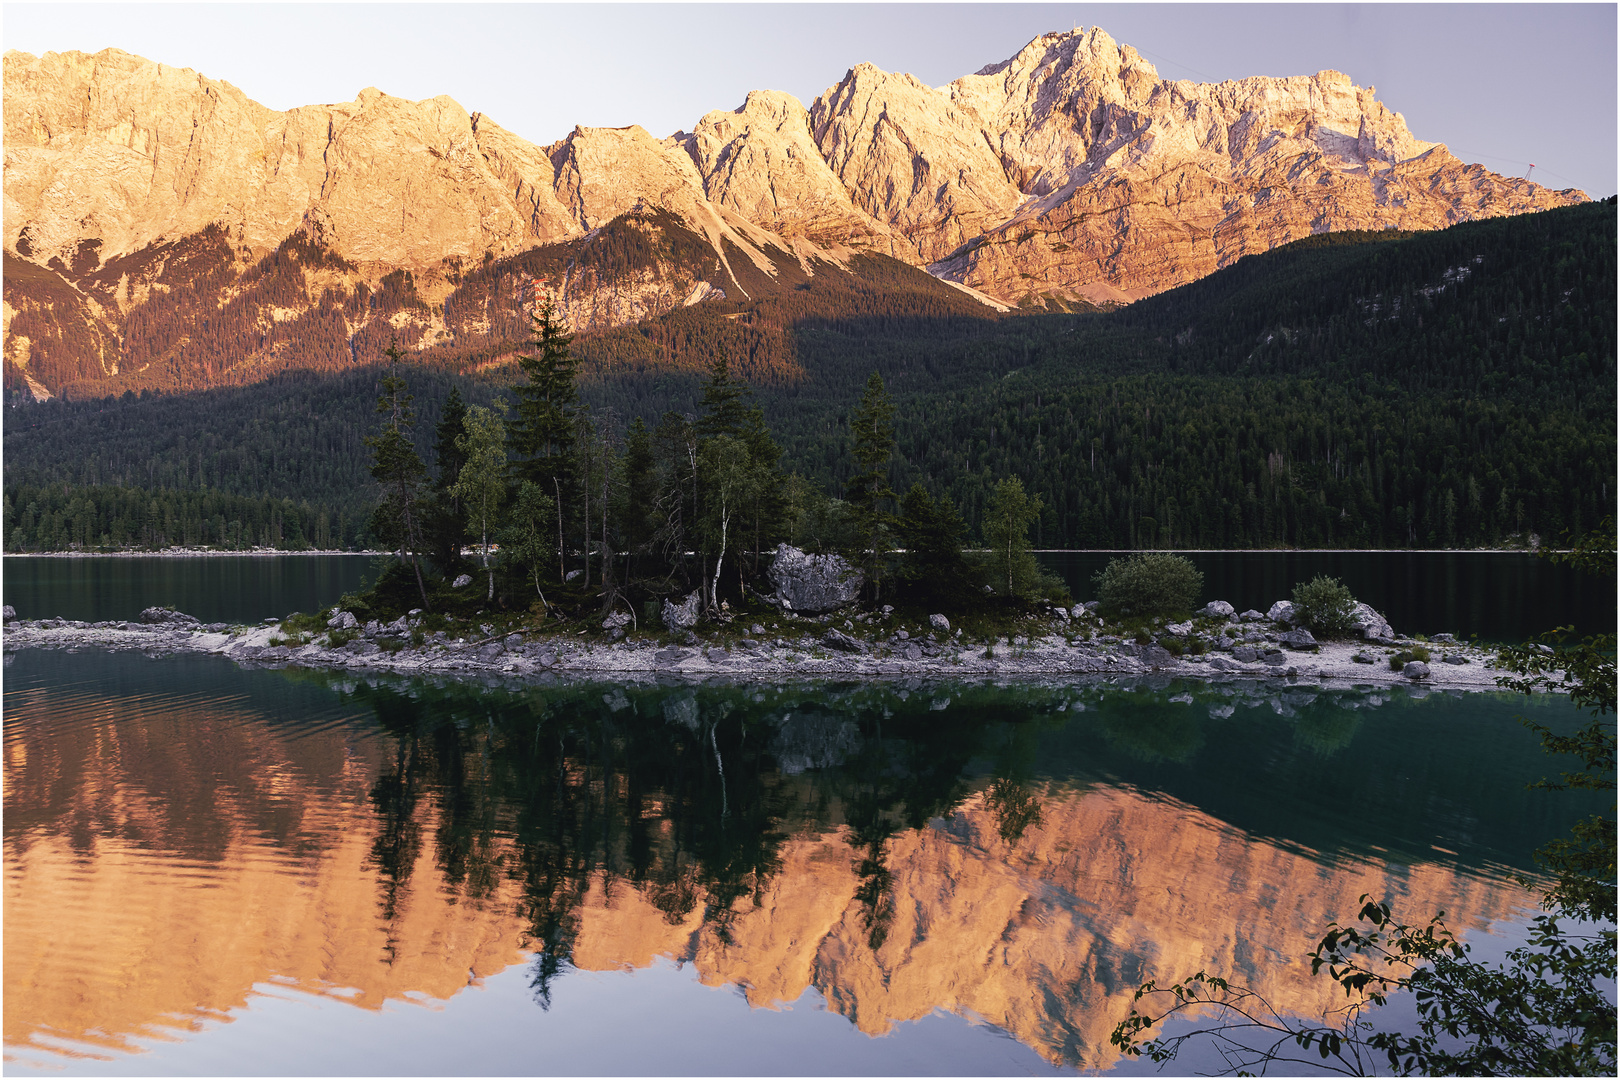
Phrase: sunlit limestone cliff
(162, 229)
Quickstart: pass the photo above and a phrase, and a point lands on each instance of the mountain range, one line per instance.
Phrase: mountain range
(163, 231)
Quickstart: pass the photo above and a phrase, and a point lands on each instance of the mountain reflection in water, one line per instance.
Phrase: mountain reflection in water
(1025, 855)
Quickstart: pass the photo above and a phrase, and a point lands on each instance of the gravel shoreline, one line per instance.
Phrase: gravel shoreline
(521, 656)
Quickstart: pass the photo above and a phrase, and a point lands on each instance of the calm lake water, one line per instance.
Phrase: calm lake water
(211, 870)
(214, 588)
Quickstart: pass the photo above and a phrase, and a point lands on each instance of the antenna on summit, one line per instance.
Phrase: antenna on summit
(1530, 170)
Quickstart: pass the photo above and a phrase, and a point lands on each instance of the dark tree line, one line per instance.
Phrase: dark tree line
(1438, 389)
(61, 518)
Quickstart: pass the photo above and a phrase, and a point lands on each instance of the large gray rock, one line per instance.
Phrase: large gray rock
(837, 639)
(1370, 625)
(1281, 612)
(682, 616)
(342, 620)
(940, 623)
(1301, 639)
(615, 620)
(1217, 609)
(158, 616)
(1156, 656)
(462, 581)
(7, 613)
(813, 582)
(1415, 669)
(1179, 629)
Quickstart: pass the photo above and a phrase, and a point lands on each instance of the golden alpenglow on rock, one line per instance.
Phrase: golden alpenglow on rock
(300, 856)
(1069, 173)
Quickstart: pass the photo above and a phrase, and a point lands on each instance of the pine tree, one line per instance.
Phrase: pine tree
(446, 520)
(542, 434)
(397, 466)
(933, 533)
(868, 491)
(525, 539)
(726, 408)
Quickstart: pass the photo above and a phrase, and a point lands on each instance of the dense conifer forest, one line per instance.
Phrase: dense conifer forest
(1454, 388)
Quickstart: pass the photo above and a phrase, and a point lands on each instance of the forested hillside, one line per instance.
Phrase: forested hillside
(1432, 389)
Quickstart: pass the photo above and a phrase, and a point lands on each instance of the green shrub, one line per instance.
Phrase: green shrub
(1325, 607)
(1153, 583)
(1400, 659)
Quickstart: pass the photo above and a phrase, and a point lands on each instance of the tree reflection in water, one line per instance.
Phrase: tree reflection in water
(1021, 853)
(688, 793)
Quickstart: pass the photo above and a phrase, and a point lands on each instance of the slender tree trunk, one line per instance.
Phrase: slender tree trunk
(556, 485)
(487, 569)
(725, 521)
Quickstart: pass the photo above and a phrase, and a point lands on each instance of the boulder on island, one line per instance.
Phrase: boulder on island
(1282, 612)
(462, 581)
(342, 620)
(158, 616)
(813, 582)
(940, 623)
(837, 639)
(1370, 625)
(1217, 609)
(682, 616)
(1415, 669)
(1301, 639)
(7, 613)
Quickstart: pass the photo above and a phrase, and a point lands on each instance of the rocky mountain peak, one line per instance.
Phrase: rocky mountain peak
(1068, 172)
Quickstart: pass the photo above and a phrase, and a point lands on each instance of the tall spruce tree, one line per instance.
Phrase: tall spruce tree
(542, 431)
(396, 465)
(446, 519)
(867, 492)
(933, 532)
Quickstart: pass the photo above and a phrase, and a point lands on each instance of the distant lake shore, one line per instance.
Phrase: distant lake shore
(187, 553)
(181, 553)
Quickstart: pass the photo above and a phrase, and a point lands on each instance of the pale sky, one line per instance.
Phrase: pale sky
(1500, 84)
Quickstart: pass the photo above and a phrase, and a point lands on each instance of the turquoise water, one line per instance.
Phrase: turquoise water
(211, 870)
(215, 588)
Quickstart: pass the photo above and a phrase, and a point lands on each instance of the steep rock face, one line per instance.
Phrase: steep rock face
(1069, 172)
(761, 162)
(117, 153)
(913, 158)
(1136, 184)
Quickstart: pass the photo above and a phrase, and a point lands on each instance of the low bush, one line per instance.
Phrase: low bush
(1405, 656)
(1325, 607)
(1153, 583)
